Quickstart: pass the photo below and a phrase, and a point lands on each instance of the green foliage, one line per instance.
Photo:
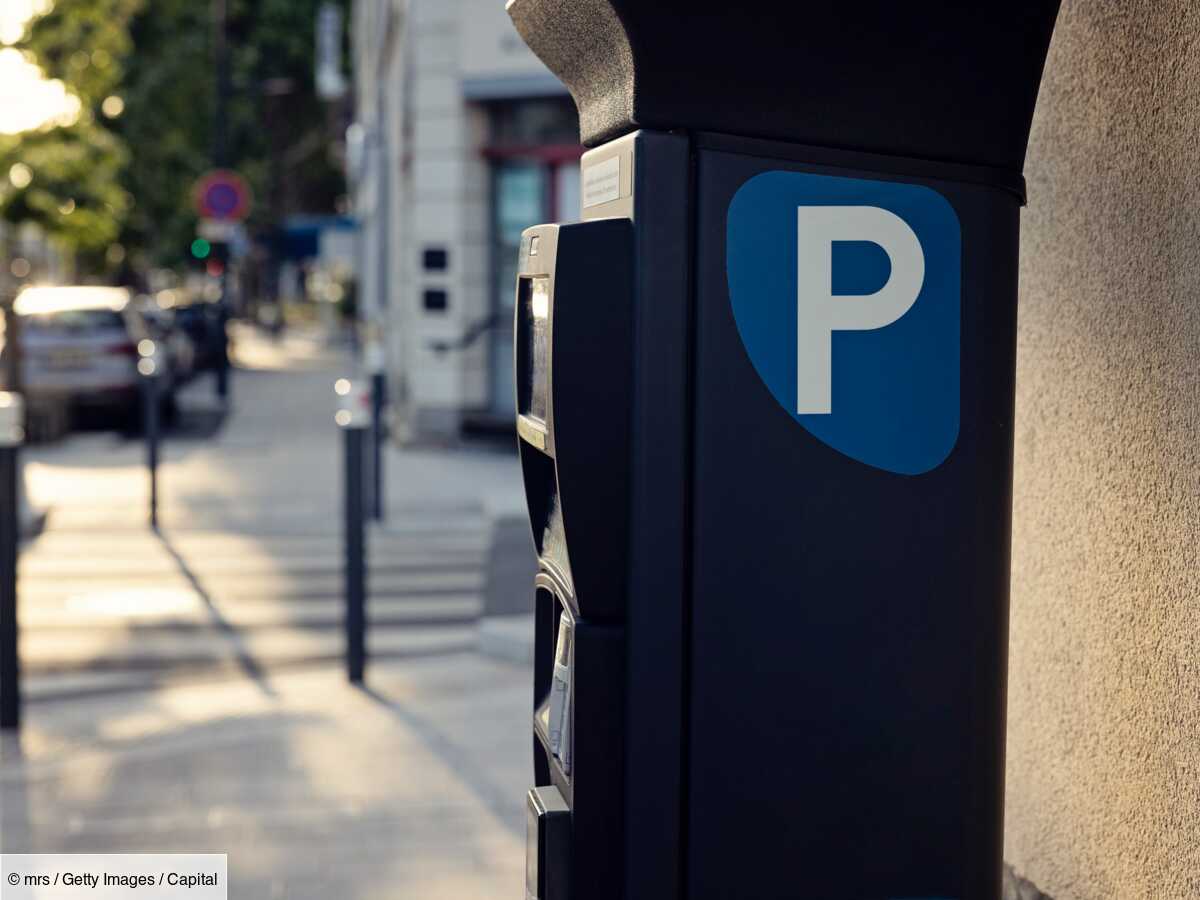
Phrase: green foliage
(74, 193)
(83, 43)
(272, 116)
(287, 161)
(129, 178)
(168, 93)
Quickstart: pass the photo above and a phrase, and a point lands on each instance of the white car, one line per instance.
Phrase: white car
(80, 345)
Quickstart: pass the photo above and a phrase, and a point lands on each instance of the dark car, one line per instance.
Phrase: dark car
(201, 322)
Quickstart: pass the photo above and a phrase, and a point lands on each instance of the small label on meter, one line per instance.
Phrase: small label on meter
(602, 182)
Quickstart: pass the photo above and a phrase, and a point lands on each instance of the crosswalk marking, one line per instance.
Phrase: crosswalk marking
(127, 608)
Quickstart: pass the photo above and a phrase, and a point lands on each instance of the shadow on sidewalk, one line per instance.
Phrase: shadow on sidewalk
(458, 759)
(245, 660)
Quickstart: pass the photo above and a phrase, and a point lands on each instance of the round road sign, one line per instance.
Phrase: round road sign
(222, 194)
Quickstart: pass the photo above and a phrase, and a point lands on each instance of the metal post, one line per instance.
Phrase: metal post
(378, 439)
(12, 347)
(356, 626)
(223, 338)
(220, 13)
(151, 427)
(11, 434)
(354, 419)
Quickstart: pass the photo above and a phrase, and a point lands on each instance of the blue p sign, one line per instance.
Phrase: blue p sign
(847, 295)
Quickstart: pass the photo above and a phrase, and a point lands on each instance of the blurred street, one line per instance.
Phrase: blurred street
(185, 688)
(246, 572)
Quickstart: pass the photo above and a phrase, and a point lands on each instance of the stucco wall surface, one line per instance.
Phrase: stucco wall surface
(1104, 690)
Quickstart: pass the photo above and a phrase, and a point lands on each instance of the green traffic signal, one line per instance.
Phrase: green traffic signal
(201, 248)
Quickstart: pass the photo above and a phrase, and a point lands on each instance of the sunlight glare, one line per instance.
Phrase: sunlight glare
(28, 100)
(15, 13)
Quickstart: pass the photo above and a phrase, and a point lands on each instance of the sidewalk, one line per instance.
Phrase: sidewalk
(184, 689)
(245, 573)
(410, 789)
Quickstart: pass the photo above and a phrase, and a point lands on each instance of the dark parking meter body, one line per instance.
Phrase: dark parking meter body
(765, 407)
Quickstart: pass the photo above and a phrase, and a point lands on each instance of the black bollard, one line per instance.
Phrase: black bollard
(223, 344)
(11, 435)
(378, 440)
(149, 368)
(12, 375)
(354, 418)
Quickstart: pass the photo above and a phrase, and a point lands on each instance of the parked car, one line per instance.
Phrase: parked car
(167, 332)
(80, 345)
(200, 320)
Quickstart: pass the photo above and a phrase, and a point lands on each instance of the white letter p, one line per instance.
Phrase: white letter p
(820, 312)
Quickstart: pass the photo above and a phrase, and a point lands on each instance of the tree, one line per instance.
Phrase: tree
(67, 178)
(83, 43)
(277, 135)
(71, 186)
(168, 94)
(144, 72)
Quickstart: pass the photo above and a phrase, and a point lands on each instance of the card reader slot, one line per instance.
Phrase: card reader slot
(588, 769)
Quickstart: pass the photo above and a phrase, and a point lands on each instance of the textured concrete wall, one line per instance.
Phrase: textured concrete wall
(1104, 708)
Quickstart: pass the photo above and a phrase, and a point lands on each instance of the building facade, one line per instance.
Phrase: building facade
(1103, 788)
(463, 139)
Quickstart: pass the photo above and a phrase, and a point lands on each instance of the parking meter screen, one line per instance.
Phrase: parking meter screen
(533, 336)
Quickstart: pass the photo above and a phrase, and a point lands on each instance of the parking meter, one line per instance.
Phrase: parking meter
(765, 418)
